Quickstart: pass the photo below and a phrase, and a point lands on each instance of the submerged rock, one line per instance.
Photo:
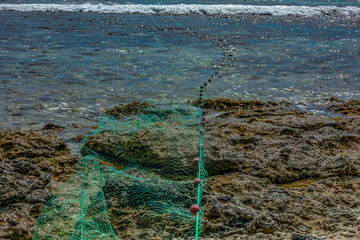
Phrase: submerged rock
(52, 126)
(78, 138)
(345, 107)
(303, 237)
(222, 104)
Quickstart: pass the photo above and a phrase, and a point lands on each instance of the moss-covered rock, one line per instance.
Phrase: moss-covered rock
(128, 109)
(223, 104)
(345, 107)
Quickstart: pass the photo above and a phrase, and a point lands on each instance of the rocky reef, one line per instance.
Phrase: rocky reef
(32, 165)
(345, 107)
(274, 172)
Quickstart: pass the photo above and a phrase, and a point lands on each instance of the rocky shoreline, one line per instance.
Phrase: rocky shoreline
(32, 166)
(274, 172)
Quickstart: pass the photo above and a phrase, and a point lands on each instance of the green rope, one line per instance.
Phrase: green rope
(82, 200)
(200, 164)
(199, 176)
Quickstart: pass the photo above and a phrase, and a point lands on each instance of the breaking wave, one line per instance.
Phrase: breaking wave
(186, 9)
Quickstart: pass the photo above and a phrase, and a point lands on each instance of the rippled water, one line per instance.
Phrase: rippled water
(68, 67)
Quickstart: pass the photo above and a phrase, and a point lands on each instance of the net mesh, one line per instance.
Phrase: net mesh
(135, 179)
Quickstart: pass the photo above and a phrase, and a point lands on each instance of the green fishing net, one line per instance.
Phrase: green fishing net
(135, 179)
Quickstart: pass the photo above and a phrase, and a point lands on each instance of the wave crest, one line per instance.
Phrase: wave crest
(186, 9)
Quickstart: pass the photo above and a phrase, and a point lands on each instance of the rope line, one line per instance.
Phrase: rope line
(202, 120)
(82, 200)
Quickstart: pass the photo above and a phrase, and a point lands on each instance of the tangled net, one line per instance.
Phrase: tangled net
(135, 179)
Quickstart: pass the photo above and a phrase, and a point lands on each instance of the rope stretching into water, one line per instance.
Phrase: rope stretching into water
(200, 152)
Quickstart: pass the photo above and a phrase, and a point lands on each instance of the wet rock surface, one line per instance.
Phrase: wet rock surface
(274, 173)
(281, 172)
(32, 165)
(51, 126)
(345, 107)
(285, 147)
(303, 237)
(141, 150)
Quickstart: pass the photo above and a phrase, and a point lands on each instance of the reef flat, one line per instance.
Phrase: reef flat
(274, 172)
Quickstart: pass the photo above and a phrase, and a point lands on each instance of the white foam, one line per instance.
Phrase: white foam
(187, 9)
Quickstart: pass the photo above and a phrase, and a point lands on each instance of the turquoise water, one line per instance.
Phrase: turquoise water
(68, 67)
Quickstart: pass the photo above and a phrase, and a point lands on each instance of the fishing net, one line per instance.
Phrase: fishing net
(135, 179)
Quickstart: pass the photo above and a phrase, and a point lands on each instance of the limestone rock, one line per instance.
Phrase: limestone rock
(280, 173)
(31, 165)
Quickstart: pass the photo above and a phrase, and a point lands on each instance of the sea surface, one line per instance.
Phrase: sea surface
(66, 62)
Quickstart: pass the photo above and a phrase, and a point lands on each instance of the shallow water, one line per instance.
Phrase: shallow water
(76, 65)
(68, 67)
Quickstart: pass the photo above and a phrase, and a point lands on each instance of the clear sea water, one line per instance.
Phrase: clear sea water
(67, 64)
